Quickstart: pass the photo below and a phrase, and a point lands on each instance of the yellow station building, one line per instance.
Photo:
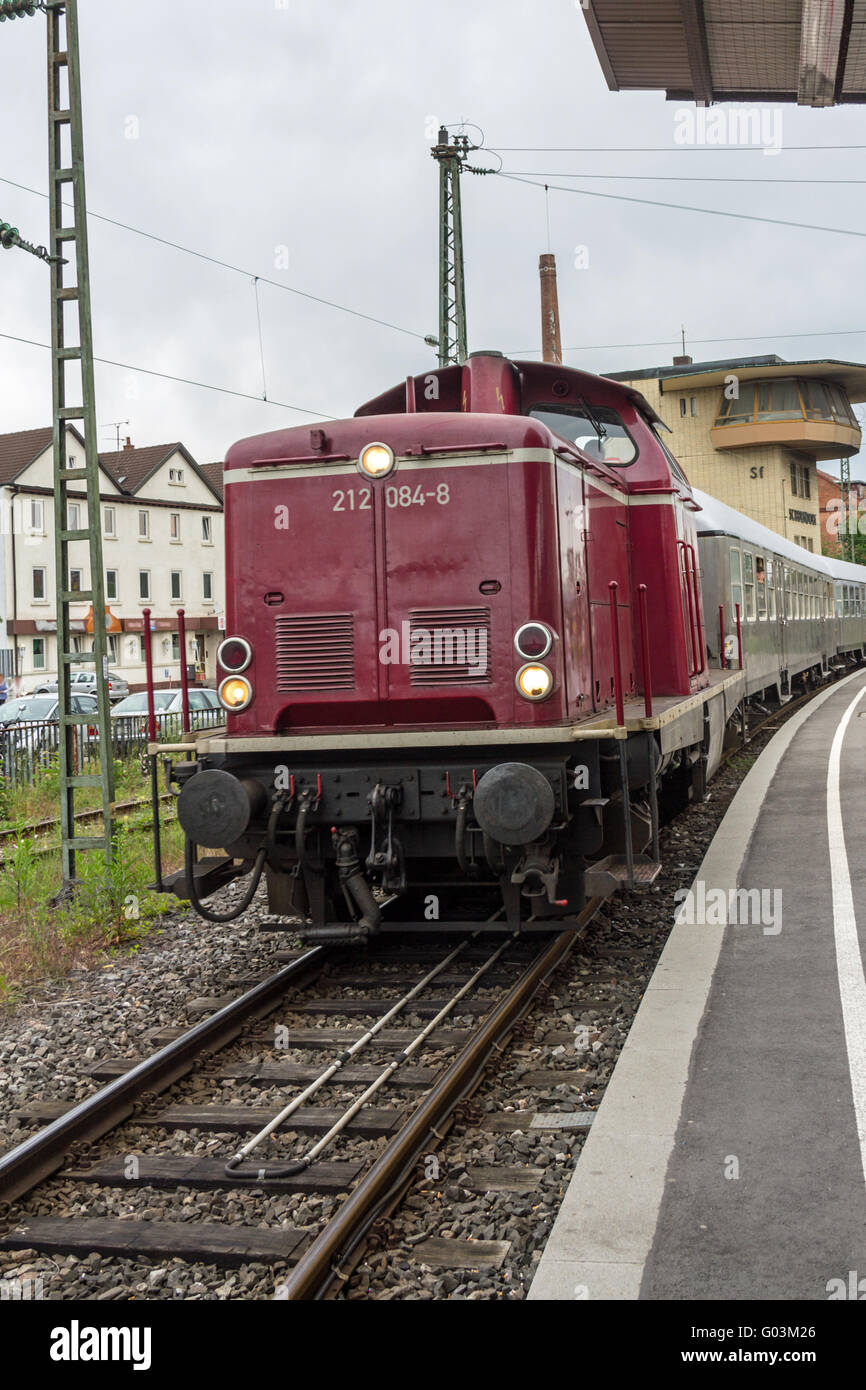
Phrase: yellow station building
(752, 430)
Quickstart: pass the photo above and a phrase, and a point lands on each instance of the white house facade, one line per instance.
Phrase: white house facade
(161, 523)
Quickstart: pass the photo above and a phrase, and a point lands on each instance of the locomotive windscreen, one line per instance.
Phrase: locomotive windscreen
(596, 430)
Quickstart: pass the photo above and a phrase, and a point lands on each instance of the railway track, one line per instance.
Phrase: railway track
(40, 829)
(429, 1049)
(401, 1037)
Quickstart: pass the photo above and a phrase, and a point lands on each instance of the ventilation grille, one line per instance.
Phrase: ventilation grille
(449, 646)
(316, 652)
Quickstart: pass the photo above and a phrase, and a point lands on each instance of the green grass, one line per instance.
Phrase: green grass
(22, 805)
(111, 909)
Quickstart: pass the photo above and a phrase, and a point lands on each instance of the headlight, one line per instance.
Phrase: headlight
(376, 461)
(234, 654)
(533, 641)
(235, 694)
(534, 682)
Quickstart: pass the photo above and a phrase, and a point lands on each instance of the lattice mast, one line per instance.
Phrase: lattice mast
(71, 348)
(450, 156)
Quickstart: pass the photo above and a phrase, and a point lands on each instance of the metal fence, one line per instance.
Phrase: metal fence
(29, 750)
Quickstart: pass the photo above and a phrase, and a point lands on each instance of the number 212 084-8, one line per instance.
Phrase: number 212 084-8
(361, 500)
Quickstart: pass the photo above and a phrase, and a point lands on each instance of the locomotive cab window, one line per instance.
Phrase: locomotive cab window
(674, 466)
(596, 430)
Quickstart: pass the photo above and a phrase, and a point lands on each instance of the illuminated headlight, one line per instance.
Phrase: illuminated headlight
(376, 461)
(533, 641)
(235, 694)
(534, 682)
(234, 654)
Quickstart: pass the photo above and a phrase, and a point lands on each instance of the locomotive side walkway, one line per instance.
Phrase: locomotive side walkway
(728, 1157)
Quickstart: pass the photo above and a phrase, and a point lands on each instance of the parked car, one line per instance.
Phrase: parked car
(84, 683)
(29, 709)
(204, 708)
(31, 722)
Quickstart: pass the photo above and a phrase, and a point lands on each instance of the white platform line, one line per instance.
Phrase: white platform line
(849, 961)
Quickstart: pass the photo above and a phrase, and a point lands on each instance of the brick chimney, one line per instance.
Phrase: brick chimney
(551, 343)
(685, 361)
(128, 444)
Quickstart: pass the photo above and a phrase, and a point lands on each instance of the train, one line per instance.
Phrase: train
(480, 638)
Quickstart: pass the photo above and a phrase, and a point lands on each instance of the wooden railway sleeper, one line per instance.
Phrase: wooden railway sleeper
(301, 1164)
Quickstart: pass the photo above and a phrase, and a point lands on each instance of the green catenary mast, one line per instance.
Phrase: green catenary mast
(70, 285)
(450, 156)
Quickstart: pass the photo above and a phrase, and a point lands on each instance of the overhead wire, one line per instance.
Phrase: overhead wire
(667, 149)
(735, 338)
(184, 381)
(685, 207)
(683, 178)
(225, 265)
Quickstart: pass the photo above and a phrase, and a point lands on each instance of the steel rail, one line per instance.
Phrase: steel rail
(38, 828)
(318, 1265)
(43, 1153)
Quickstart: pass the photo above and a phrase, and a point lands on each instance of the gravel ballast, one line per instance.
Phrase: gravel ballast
(576, 1030)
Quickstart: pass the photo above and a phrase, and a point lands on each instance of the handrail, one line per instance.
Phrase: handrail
(701, 651)
(645, 651)
(617, 664)
(693, 668)
(722, 662)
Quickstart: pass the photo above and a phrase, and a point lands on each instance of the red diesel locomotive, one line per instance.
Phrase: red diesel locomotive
(465, 641)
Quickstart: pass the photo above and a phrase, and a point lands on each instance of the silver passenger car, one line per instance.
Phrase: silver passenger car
(801, 614)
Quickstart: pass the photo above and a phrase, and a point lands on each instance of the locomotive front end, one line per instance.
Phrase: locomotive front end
(416, 642)
(396, 750)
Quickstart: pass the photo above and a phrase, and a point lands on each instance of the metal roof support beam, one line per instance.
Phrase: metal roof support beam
(594, 27)
(698, 50)
(821, 34)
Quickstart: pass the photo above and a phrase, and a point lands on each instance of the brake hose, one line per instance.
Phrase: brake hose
(258, 868)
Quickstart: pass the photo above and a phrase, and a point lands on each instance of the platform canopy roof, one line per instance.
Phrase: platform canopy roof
(809, 51)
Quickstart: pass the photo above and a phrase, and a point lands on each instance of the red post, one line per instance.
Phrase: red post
(184, 682)
(148, 662)
(740, 638)
(722, 662)
(617, 665)
(645, 652)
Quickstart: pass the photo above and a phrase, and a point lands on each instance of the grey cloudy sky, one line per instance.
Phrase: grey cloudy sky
(307, 125)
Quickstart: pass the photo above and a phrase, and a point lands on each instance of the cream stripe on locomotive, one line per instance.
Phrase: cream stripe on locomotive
(282, 469)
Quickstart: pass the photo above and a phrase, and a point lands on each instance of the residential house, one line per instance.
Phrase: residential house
(161, 522)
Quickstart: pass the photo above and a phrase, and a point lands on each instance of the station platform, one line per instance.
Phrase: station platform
(728, 1157)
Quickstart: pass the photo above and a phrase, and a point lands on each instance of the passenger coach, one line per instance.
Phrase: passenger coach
(802, 616)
